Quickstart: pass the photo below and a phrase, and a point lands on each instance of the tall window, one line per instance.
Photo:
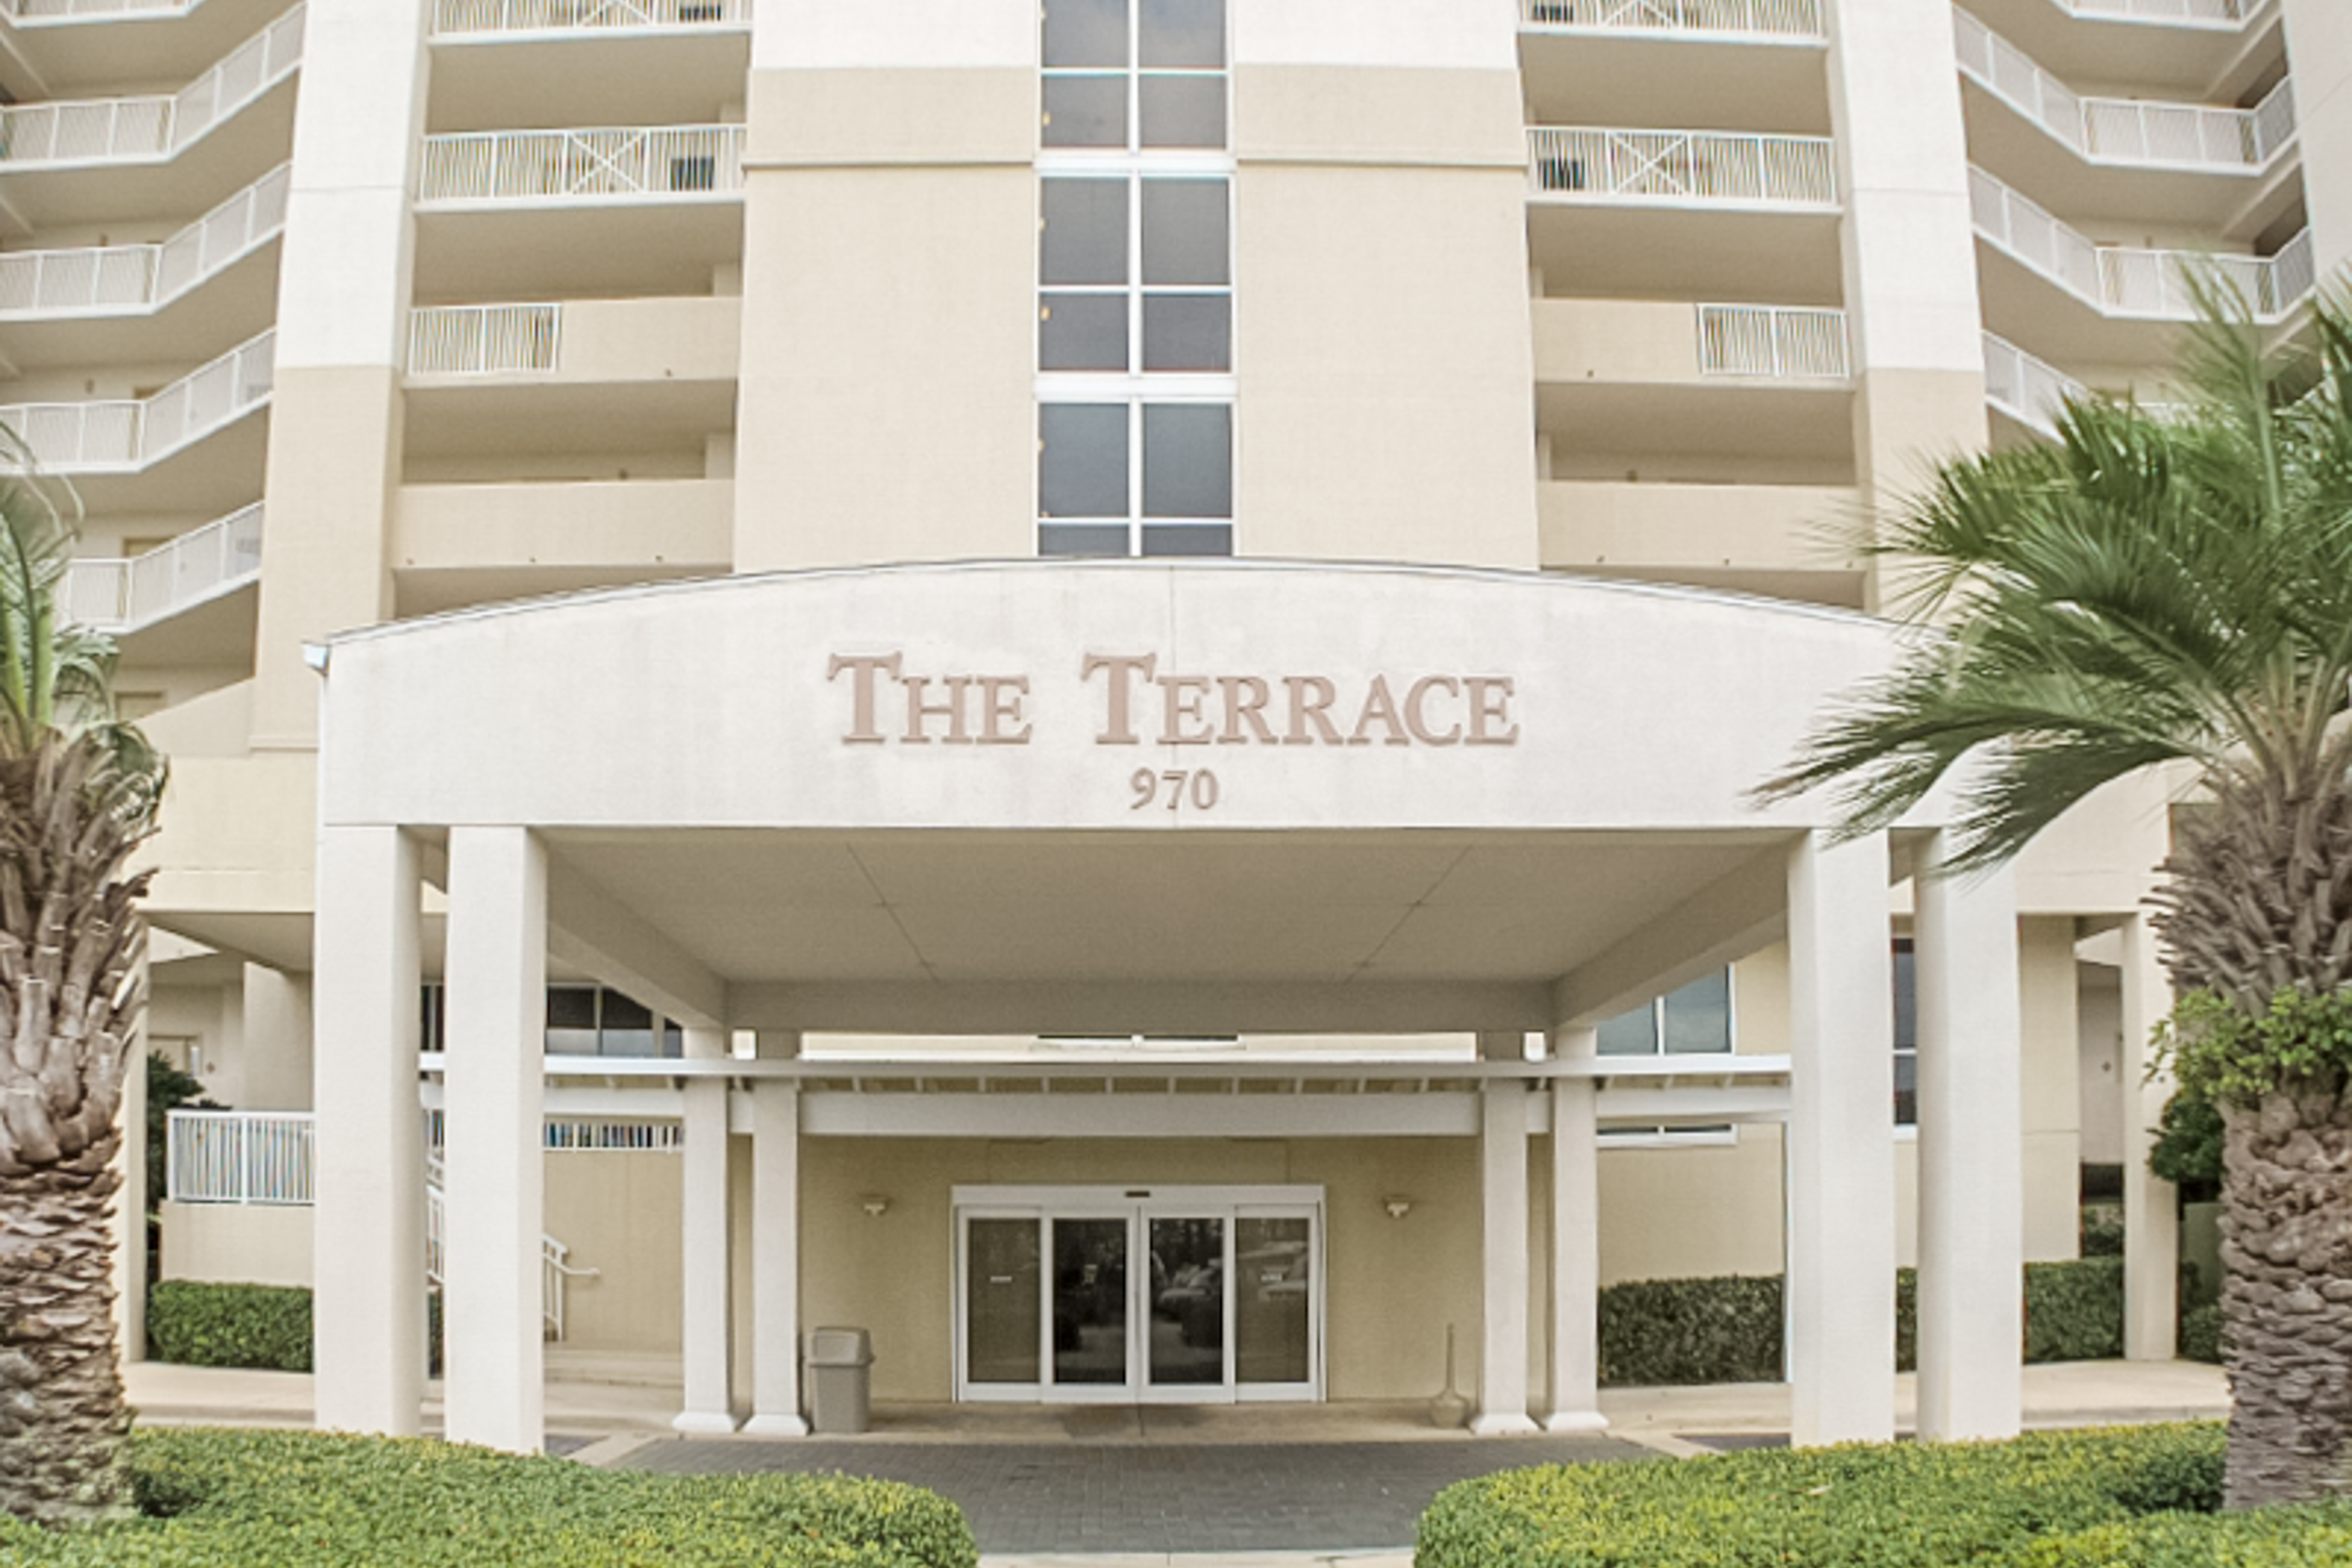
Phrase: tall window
(1135, 386)
(1906, 1035)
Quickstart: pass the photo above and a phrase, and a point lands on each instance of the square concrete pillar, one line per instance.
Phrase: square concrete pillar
(703, 1234)
(369, 1221)
(1841, 1283)
(776, 1258)
(493, 1318)
(2151, 1205)
(1971, 1151)
(1575, 1242)
(1503, 1190)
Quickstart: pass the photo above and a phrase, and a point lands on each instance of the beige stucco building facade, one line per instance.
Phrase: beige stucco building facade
(1375, 939)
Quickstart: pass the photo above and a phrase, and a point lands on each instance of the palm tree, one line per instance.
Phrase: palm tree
(78, 791)
(2175, 589)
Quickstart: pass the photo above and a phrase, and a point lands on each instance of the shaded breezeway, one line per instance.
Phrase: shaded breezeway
(1145, 1497)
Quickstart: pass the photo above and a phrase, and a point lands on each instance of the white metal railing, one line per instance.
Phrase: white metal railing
(1776, 341)
(2202, 13)
(484, 339)
(666, 161)
(2122, 280)
(2125, 130)
(200, 564)
(1682, 167)
(239, 1157)
(1776, 18)
(52, 11)
(139, 277)
(458, 17)
(122, 434)
(145, 130)
(2030, 390)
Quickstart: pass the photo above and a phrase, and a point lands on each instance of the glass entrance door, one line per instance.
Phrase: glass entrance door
(1186, 1295)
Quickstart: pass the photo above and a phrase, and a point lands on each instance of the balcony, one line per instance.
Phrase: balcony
(140, 279)
(1800, 19)
(2028, 392)
(501, 63)
(466, 18)
(627, 165)
(2171, 47)
(666, 342)
(1778, 539)
(1757, 65)
(150, 129)
(1682, 168)
(200, 566)
(142, 455)
(455, 545)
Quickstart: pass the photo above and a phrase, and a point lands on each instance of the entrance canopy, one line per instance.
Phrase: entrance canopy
(1107, 797)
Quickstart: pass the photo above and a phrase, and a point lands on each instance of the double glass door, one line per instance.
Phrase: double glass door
(1193, 1294)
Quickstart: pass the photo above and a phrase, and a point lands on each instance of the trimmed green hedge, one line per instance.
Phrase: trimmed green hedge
(2124, 1498)
(264, 1327)
(297, 1499)
(1663, 1332)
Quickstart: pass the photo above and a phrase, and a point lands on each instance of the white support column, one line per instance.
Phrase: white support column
(776, 1249)
(1840, 1285)
(1503, 1185)
(369, 1222)
(2151, 1206)
(703, 1234)
(494, 1318)
(1971, 1150)
(1575, 1242)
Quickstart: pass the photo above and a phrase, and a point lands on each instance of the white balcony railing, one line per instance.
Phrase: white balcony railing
(131, 279)
(1682, 168)
(54, 11)
(2126, 131)
(484, 339)
(123, 435)
(1771, 18)
(2120, 280)
(456, 18)
(1780, 341)
(150, 130)
(239, 1157)
(667, 162)
(2030, 390)
(2199, 13)
(200, 564)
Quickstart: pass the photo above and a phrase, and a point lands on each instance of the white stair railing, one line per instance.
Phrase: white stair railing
(1774, 18)
(484, 339)
(1779, 341)
(150, 129)
(200, 565)
(1699, 168)
(556, 1270)
(2125, 130)
(665, 162)
(2030, 390)
(123, 434)
(130, 279)
(455, 18)
(2124, 281)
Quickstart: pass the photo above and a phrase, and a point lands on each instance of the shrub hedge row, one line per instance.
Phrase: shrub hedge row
(264, 1328)
(1656, 1332)
(2124, 1498)
(299, 1500)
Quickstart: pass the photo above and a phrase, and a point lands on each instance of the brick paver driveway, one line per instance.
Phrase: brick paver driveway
(1143, 1497)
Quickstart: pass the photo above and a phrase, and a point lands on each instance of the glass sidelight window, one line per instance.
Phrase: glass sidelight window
(1132, 76)
(1189, 1295)
(1135, 478)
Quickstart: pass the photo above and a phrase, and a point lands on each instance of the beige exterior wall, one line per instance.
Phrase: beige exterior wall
(237, 1244)
(618, 1214)
(2320, 41)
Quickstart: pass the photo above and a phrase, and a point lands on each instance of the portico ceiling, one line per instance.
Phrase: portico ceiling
(802, 908)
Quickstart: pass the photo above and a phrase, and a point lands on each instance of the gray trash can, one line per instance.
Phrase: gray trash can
(840, 1372)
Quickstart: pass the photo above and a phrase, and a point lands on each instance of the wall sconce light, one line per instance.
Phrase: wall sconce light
(875, 1203)
(1398, 1206)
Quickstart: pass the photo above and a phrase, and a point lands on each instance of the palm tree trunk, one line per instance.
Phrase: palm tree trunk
(64, 1428)
(2286, 1250)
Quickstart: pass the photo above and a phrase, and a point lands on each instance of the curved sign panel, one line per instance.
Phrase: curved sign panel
(1123, 695)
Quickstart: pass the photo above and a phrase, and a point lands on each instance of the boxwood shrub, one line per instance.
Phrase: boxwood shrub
(2138, 1497)
(1658, 1332)
(264, 1327)
(301, 1500)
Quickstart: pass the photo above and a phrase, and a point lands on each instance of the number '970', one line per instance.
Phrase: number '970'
(1174, 788)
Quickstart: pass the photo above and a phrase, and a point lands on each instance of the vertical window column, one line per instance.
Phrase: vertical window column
(1135, 389)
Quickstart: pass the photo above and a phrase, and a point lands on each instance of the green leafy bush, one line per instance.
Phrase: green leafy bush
(1662, 1333)
(2224, 1058)
(2190, 1137)
(2200, 1334)
(299, 1500)
(264, 1327)
(1900, 1506)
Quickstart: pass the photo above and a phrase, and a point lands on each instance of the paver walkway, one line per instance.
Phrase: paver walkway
(1185, 1497)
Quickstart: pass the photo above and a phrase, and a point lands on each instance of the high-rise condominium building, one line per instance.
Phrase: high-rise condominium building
(1081, 685)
